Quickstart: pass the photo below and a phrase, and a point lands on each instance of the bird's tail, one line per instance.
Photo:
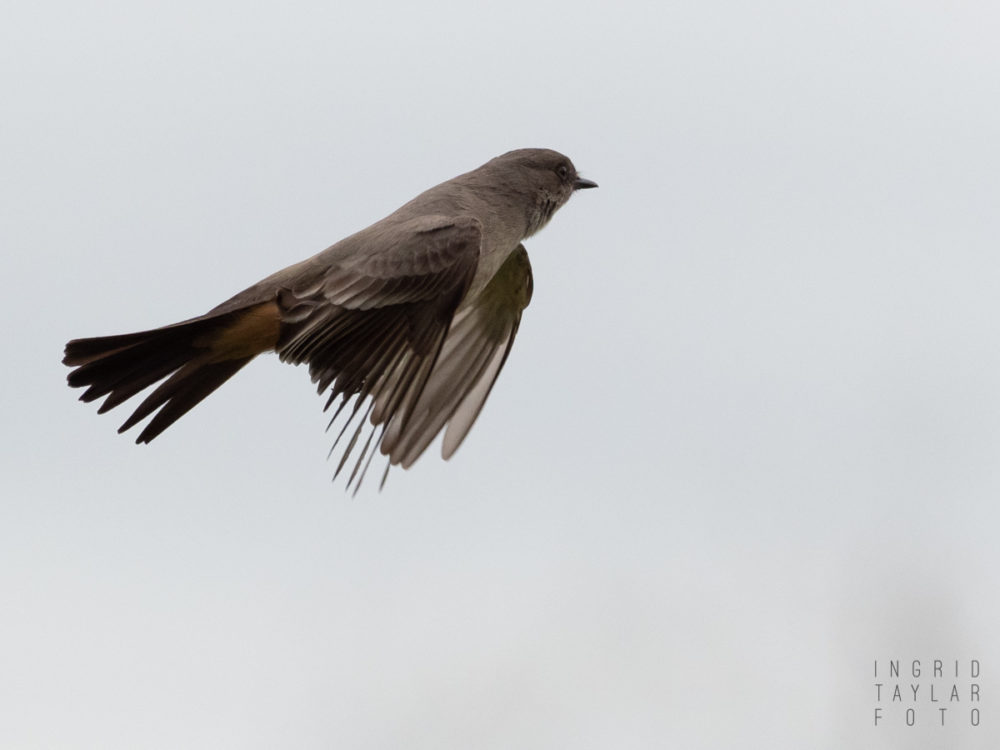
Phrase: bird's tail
(195, 357)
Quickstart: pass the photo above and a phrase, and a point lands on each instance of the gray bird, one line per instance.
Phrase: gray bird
(413, 317)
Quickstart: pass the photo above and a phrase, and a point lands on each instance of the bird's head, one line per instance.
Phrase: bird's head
(543, 178)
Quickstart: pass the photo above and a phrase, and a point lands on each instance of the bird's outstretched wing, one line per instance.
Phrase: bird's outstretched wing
(372, 325)
(474, 352)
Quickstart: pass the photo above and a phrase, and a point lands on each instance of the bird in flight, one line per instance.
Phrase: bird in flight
(408, 321)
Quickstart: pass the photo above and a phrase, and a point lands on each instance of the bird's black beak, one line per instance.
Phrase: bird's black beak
(580, 183)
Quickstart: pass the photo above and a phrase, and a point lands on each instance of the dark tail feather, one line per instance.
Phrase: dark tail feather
(120, 366)
(181, 392)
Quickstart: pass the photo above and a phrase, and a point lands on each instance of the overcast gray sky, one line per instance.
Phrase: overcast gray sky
(746, 444)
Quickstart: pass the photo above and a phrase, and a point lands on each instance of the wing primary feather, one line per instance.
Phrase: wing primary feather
(345, 397)
(368, 463)
(467, 410)
(404, 401)
(385, 474)
(374, 361)
(440, 405)
(354, 413)
(350, 445)
(361, 457)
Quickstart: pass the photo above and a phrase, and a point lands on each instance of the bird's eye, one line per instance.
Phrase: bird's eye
(563, 171)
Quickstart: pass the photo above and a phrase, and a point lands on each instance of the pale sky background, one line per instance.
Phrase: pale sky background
(748, 440)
